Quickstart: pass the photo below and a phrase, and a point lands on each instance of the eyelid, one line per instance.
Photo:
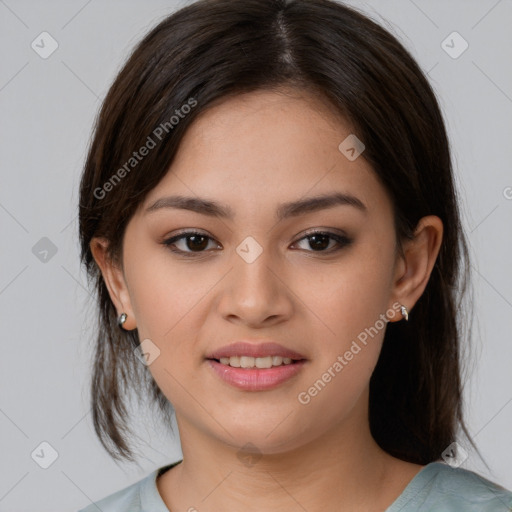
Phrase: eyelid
(321, 230)
(187, 231)
(310, 231)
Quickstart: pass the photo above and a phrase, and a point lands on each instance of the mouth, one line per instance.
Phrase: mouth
(252, 378)
(255, 366)
(245, 352)
(261, 363)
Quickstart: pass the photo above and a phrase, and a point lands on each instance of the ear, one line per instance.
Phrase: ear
(413, 269)
(115, 281)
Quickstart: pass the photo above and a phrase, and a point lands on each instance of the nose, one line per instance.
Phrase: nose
(256, 293)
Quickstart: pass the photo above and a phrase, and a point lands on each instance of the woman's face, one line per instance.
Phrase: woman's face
(257, 277)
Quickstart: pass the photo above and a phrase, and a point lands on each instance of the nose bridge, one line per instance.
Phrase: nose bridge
(252, 269)
(255, 291)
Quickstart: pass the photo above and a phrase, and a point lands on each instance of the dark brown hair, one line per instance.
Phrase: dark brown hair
(213, 49)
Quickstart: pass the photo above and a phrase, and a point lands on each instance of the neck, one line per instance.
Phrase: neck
(342, 469)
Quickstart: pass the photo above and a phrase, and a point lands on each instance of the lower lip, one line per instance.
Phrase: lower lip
(256, 379)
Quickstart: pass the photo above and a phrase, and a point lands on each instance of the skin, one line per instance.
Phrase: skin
(252, 153)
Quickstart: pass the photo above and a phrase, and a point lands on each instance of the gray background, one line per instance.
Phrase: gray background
(47, 110)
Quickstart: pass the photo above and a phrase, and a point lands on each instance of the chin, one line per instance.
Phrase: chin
(256, 440)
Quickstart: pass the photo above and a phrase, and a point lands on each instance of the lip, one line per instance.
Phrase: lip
(243, 348)
(256, 379)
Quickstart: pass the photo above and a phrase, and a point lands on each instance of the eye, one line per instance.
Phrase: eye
(195, 242)
(320, 240)
(191, 242)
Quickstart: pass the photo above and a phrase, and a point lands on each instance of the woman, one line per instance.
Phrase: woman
(268, 215)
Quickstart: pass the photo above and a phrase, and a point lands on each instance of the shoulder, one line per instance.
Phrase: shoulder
(473, 488)
(124, 500)
(141, 496)
(441, 487)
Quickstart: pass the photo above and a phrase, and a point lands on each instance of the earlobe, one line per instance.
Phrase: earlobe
(114, 279)
(420, 254)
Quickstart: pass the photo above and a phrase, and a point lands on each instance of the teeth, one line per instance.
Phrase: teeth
(255, 362)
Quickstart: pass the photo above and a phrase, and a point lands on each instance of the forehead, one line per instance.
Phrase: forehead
(267, 119)
(259, 149)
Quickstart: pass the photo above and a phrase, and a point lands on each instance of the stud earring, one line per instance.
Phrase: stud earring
(122, 319)
(404, 312)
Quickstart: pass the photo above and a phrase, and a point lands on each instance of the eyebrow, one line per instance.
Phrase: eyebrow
(284, 211)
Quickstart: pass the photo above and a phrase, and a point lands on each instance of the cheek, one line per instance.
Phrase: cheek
(164, 294)
(350, 296)
(348, 349)
(351, 302)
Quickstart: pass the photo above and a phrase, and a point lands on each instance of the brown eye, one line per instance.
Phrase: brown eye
(196, 242)
(191, 242)
(319, 241)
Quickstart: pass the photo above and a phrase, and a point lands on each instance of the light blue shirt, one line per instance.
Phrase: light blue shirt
(438, 487)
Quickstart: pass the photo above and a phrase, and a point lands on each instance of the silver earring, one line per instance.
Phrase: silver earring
(404, 312)
(122, 319)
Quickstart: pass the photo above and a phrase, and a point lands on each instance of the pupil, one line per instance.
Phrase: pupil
(194, 239)
(314, 239)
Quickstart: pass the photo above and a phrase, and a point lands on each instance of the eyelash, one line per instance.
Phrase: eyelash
(342, 240)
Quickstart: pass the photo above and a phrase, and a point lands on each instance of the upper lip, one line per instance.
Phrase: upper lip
(242, 348)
